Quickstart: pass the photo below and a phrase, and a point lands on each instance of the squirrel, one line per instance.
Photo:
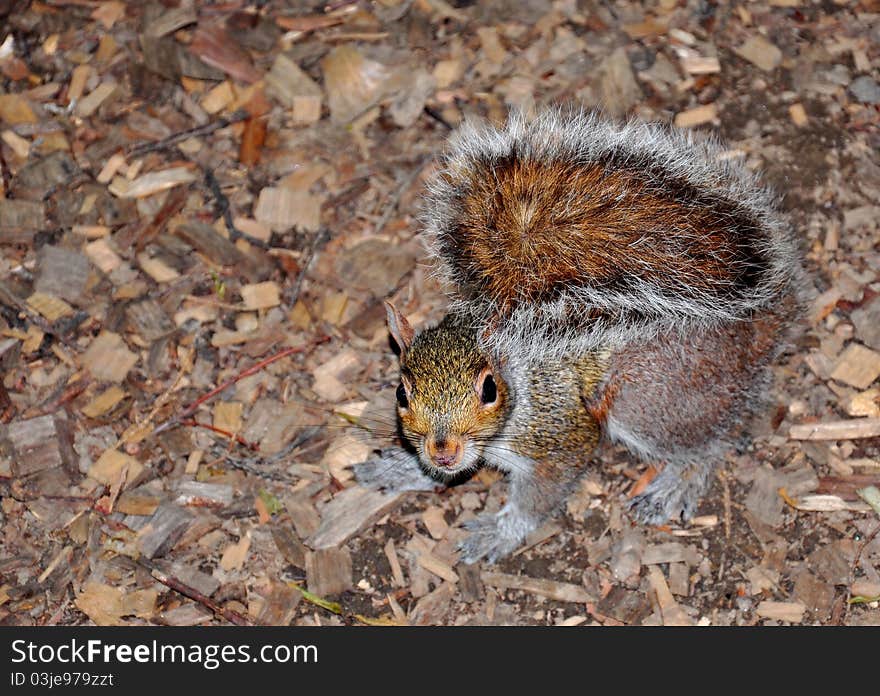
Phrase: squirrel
(617, 281)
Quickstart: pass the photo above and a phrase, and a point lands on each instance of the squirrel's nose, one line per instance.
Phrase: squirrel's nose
(444, 453)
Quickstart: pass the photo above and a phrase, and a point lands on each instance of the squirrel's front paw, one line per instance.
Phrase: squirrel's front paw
(670, 496)
(493, 536)
(394, 469)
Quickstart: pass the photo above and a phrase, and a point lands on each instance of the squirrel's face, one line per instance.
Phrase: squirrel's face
(452, 402)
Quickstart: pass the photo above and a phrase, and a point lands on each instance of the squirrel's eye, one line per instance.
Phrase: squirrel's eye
(402, 399)
(489, 392)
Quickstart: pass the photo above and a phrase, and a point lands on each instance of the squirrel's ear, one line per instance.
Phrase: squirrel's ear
(400, 328)
(489, 332)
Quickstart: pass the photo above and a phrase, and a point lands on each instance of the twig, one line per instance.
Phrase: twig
(189, 410)
(69, 394)
(222, 204)
(292, 295)
(250, 465)
(232, 436)
(255, 465)
(398, 194)
(437, 116)
(173, 583)
(176, 138)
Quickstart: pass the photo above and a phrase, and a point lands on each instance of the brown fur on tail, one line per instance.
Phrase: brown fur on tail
(527, 230)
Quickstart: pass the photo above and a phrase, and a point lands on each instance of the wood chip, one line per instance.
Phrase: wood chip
(157, 269)
(760, 52)
(837, 430)
(261, 295)
(287, 82)
(798, 115)
(394, 562)
(343, 453)
(700, 65)
(670, 610)
(303, 515)
(436, 566)
(448, 72)
(227, 415)
(287, 541)
(306, 110)
(63, 273)
(185, 615)
(204, 494)
(77, 86)
(15, 110)
(108, 13)
(236, 554)
(106, 605)
(218, 98)
(90, 104)
(558, 591)
(434, 521)
(148, 320)
(103, 402)
(113, 465)
(328, 571)
(40, 443)
(137, 502)
(491, 44)
(204, 239)
(792, 612)
(279, 605)
(110, 168)
(171, 20)
(50, 307)
(16, 143)
(151, 183)
(282, 208)
(22, 217)
(353, 82)
(696, 116)
(107, 357)
(866, 403)
(857, 366)
(164, 529)
(348, 513)
(829, 503)
(102, 254)
(670, 552)
(431, 609)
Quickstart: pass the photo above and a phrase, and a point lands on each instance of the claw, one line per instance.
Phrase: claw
(667, 497)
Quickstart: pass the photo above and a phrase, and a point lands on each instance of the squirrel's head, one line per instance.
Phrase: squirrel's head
(451, 400)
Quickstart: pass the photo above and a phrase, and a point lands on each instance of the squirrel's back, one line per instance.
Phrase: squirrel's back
(573, 225)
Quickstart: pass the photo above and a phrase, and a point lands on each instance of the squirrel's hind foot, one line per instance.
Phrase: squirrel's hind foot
(673, 495)
(396, 470)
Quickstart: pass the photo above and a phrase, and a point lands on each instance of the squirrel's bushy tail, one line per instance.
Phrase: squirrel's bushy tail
(585, 232)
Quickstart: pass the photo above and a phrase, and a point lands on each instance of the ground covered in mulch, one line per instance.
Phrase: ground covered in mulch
(202, 207)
